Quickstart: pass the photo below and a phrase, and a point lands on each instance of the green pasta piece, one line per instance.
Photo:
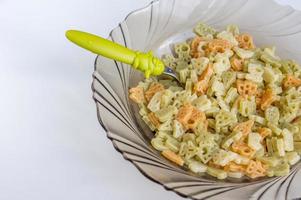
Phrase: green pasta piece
(289, 66)
(297, 147)
(206, 152)
(197, 167)
(276, 130)
(259, 153)
(272, 115)
(278, 146)
(199, 64)
(166, 113)
(183, 75)
(194, 75)
(158, 144)
(191, 150)
(202, 103)
(255, 68)
(201, 128)
(270, 60)
(204, 30)
(145, 85)
(228, 36)
(297, 137)
(178, 130)
(188, 137)
(228, 78)
(254, 141)
(222, 104)
(223, 157)
(166, 126)
(258, 119)
(271, 161)
(211, 123)
(182, 49)
(257, 78)
(281, 170)
(154, 104)
(288, 140)
(292, 128)
(166, 98)
(231, 95)
(242, 53)
(234, 136)
(292, 157)
(235, 174)
(247, 106)
(288, 115)
(218, 173)
(233, 29)
(269, 75)
(169, 61)
(270, 148)
(224, 118)
(183, 148)
(270, 172)
(188, 85)
(221, 63)
(172, 144)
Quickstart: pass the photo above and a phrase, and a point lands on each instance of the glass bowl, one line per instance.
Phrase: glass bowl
(155, 28)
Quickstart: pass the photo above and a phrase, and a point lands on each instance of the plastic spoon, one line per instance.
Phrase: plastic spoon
(145, 62)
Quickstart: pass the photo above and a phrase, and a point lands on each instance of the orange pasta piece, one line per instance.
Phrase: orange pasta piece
(244, 127)
(184, 113)
(154, 119)
(217, 46)
(152, 90)
(211, 164)
(201, 87)
(170, 155)
(189, 116)
(246, 88)
(137, 94)
(243, 149)
(258, 97)
(245, 41)
(196, 117)
(207, 73)
(194, 47)
(236, 63)
(256, 169)
(268, 97)
(264, 132)
(291, 81)
(233, 167)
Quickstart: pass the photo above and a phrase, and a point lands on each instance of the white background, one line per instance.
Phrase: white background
(51, 145)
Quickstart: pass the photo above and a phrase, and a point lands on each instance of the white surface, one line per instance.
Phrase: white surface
(51, 144)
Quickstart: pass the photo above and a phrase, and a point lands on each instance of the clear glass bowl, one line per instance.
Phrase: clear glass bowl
(155, 28)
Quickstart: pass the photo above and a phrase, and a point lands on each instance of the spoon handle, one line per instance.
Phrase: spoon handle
(144, 62)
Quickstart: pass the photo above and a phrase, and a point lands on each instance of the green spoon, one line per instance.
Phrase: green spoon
(145, 62)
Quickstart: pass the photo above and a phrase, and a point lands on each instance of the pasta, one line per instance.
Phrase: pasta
(237, 112)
